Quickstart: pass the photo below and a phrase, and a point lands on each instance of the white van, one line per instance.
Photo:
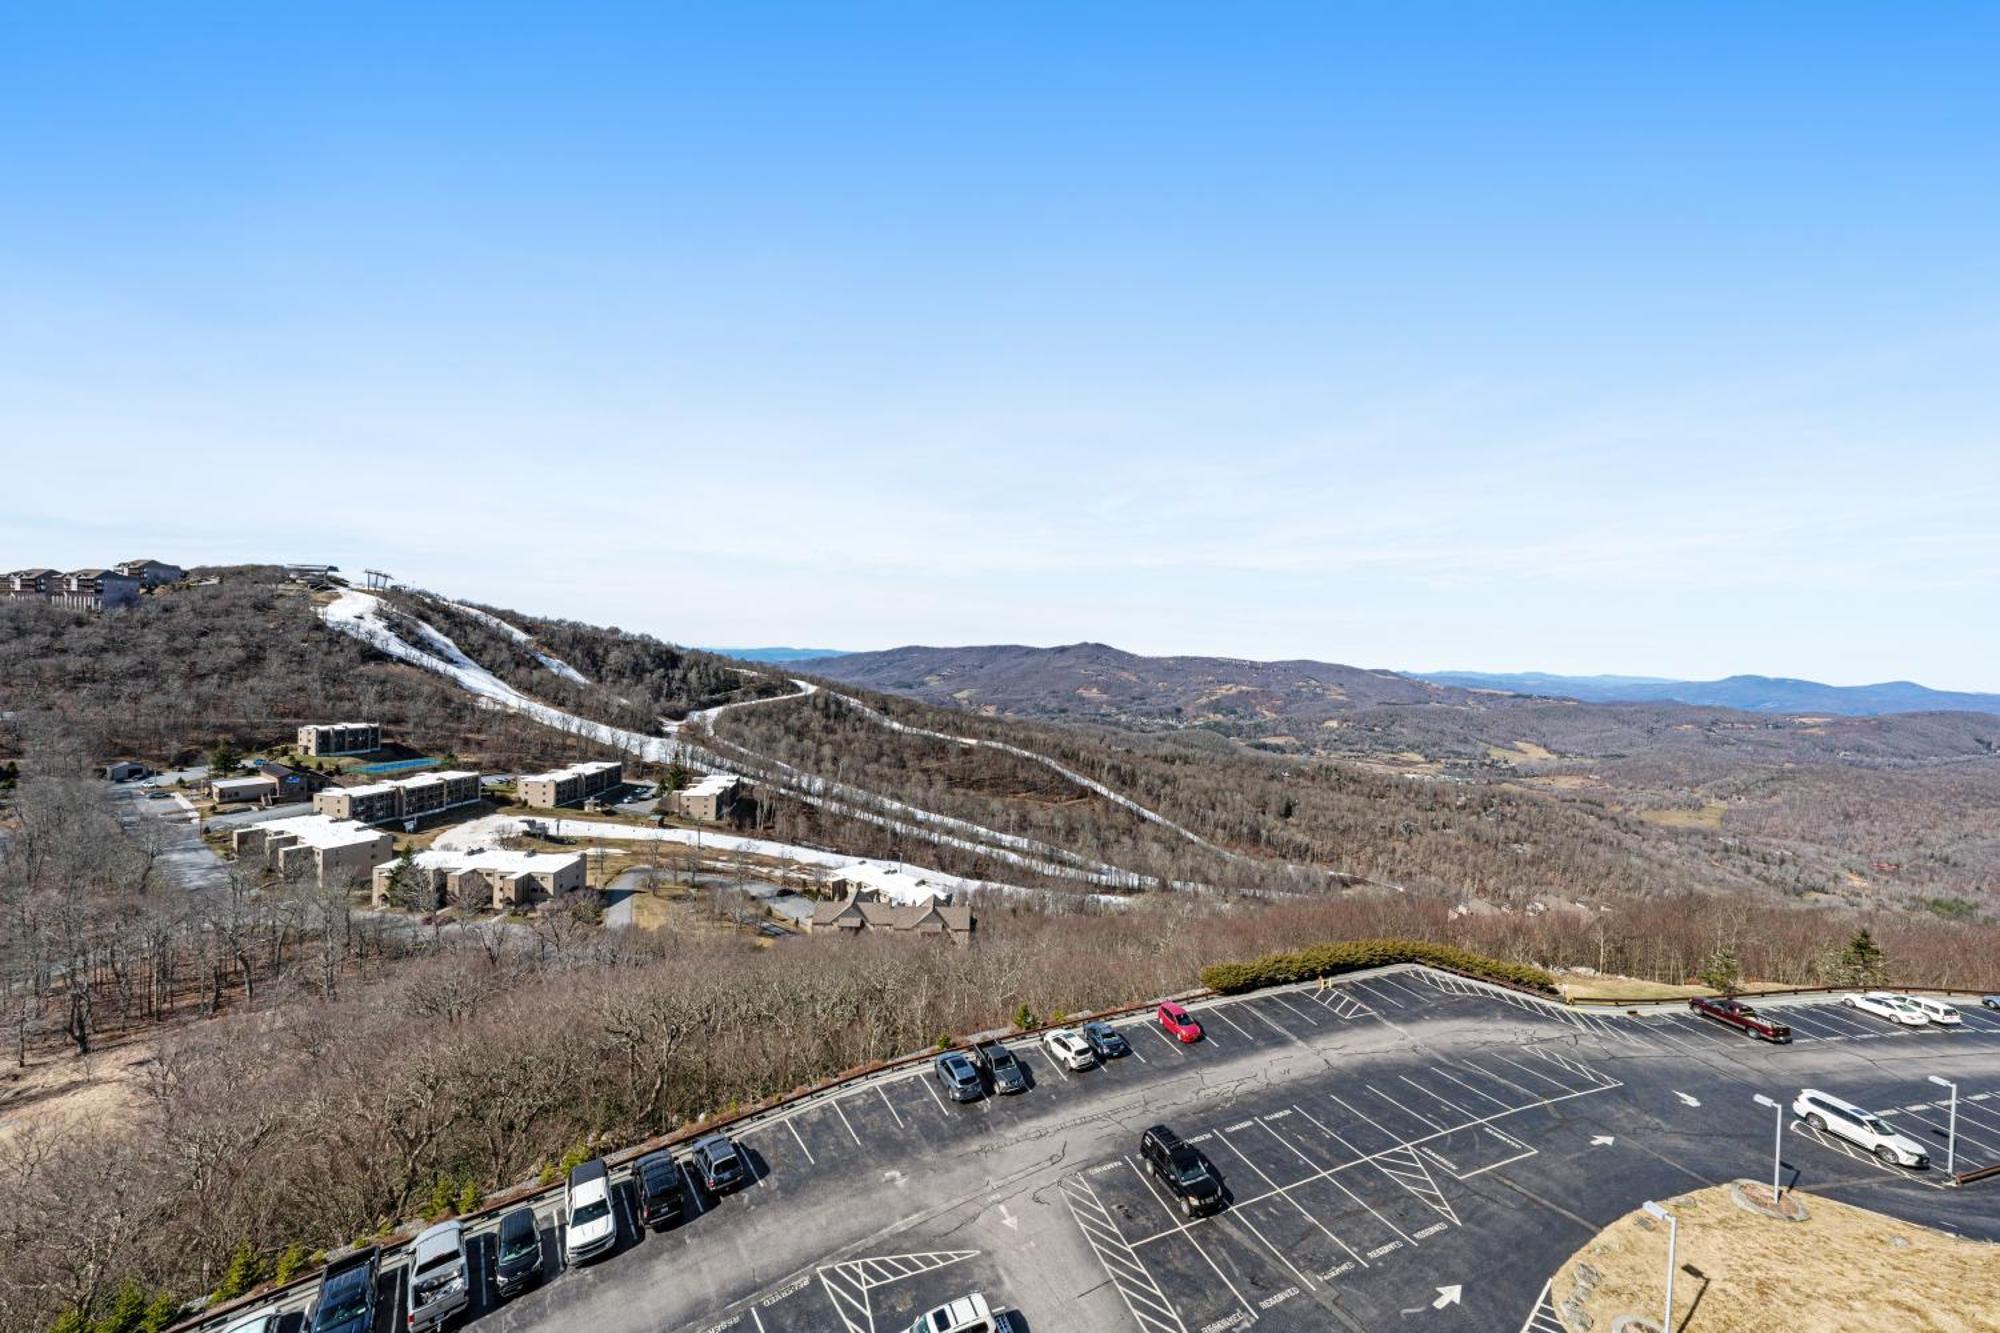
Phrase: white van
(1937, 1011)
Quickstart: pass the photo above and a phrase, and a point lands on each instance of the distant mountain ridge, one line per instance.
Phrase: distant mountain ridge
(1752, 694)
(776, 654)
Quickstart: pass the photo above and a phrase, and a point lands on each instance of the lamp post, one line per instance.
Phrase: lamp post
(1951, 1128)
(1655, 1211)
(1777, 1143)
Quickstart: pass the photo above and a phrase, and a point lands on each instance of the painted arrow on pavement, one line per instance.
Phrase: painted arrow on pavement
(1603, 1140)
(1691, 1101)
(1446, 1296)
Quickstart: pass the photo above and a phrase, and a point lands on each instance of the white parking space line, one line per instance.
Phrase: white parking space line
(1335, 1180)
(942, 1110)
(1531, 1073)
(1285, 1190)
(1847, 1149)
(1434, 1124)
(1280, 1192)
(1216, 1012)
(1477, 1092)
(1368, 986)
(1172, 1045)
(1144, 1301)
(1180, 1225)
(1544, 1318)
(1477, 1068)
(891, 1105)
(1404, 987)
(1434, 1096)
(802, 1144)
(1295, 1009)
(845, 1121)
(1133, 1047)
(1054, 1064)
(1265, 1019)
(1941, 1125)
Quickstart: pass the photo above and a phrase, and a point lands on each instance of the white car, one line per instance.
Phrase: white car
(1068, 1048)
(265, 1320)
(438, 1287)
(1864, 1129)
(1937, 1011)
(1892, 1007)
(592, 1222)
(967, 1314)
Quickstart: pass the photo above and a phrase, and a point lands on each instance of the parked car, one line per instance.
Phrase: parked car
(1740, 1016)
(959, 1078)
(345, 1301)
(1000, 1066)
(1179, 1023)
(657, 1179)
(1936, 1011)
(1864, 1129)
(517, 1253)
(1107, 1041)
(265, 1320)
(1068, 1049)
(967, 1314)
(718, 1164)
(1990, 1001)
(1892, 1007)
(591, 1221)
(1177, 1165)
(439, 1285)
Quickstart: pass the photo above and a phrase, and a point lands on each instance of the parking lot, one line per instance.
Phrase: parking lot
(1403, 1148)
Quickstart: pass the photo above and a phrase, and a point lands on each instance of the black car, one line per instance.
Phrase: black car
(346, 1299)
(718, 1164)
(1107, 1041)
(998, 1063)
(517, 1253)
(958, 1076)
(657, 1179)
(1184, 1171)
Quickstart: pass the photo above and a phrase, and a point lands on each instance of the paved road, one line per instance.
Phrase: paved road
(185, 860)
(1385, 1142)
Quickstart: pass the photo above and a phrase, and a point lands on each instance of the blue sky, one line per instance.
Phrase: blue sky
(1576, 338)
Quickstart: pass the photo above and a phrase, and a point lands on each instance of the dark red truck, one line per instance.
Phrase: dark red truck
(1741, 1016)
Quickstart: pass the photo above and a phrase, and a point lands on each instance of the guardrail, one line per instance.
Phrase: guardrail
(1615, 1002)
(787, 1104)
(1983, 1173)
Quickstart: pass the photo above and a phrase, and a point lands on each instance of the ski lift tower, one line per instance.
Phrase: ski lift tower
(377, 580)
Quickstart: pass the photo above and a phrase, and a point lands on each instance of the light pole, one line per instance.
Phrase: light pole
(1673, 1232)
(1777, 1143)
(1951, 1128)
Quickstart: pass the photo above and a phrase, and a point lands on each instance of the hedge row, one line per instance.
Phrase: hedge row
(1324, 960)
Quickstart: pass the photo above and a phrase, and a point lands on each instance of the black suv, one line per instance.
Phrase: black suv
(998, 1064)
(1107, 1041)
(517, 1253)
(1184, 1171)
(959, 1076)
(718, 1164)
(657, 1177)
(346, 1300)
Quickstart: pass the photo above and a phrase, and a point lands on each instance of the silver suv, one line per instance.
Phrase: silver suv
(437, 1288)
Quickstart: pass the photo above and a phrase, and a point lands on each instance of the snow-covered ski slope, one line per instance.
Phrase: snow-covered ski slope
(360, 614)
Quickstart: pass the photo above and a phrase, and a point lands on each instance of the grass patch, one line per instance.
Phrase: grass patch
(1328, 960)
(1843, 1267)
(1520, 751)
(1708, 817)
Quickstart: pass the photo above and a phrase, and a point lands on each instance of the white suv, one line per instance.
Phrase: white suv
(1937, 1011)
(1892, 1007)
(1864, 1129)
(967, 1314)
(1068, 1048)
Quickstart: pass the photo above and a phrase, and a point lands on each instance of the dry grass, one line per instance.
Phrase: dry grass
(1842, 1268)
(1708, 817)
(1608, 987)
(66, 1092)
(1519, 752)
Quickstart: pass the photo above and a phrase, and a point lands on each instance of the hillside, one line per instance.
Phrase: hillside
(1757, 694)
(1325, 708)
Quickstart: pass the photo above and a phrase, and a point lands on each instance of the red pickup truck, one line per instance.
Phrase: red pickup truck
(1741, 1016)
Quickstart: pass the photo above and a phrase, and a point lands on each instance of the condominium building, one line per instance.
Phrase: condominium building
(709, 800)
(259, 790)
(340, 738)
(37, 585)
(335, 852)
(399, 798)
(96, 590)
(501, 878)
(152, 573)
(572, 785)
(862, 910)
